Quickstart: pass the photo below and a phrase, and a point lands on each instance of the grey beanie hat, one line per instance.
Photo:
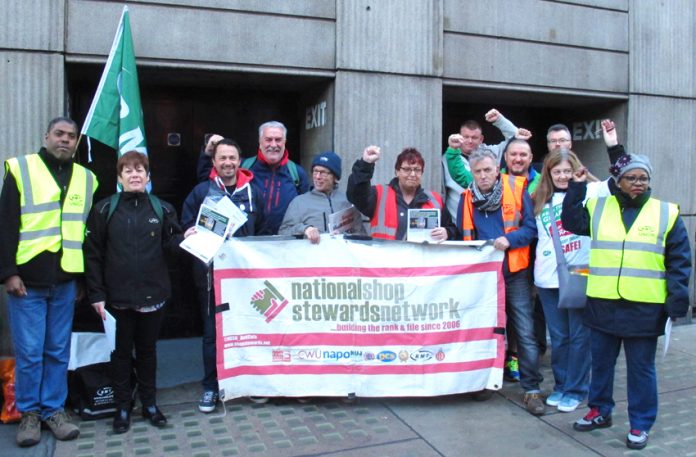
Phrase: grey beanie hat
(628, 162)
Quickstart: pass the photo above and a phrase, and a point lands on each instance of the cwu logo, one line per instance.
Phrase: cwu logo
(75, 200)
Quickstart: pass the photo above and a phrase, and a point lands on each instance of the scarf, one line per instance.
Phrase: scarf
(490, 201)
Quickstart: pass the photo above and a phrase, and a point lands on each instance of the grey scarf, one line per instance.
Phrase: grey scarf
(490, 201)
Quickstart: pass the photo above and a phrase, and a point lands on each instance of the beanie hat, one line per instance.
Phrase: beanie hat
(330, 160)
(628, 162)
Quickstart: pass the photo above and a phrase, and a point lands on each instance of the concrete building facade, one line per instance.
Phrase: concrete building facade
(343, 74)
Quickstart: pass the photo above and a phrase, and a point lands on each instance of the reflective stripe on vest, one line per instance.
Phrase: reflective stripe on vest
(385, 221)
(44, 225)
(629, 265)
(511, 210)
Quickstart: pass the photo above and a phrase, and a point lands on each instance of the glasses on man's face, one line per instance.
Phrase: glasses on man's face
(415, 171)
(322, 173)
(640, 179)
(559, 141)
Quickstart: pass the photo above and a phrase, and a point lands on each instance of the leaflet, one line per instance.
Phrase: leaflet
(215, 222)
(347, 220)
(420, 224)
(668, 335)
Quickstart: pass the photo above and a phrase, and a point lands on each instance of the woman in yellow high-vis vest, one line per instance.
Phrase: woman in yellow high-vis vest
(640, 263)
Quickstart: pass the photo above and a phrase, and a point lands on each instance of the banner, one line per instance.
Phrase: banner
(370, 318)
(115, 117)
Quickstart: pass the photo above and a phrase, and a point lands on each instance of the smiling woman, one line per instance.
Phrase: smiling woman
(133, 171)
(126, 271)
(639, 269)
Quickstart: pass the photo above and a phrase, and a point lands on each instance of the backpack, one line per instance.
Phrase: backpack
(154, 202)
(292, 168)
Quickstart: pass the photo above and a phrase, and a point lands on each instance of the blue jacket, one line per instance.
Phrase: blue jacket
(622, 317)
(245, 195)
(277, 188)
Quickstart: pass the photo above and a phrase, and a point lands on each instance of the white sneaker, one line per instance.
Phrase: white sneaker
(636, 439)
(554, 399)
(568, 404)
(258, 400)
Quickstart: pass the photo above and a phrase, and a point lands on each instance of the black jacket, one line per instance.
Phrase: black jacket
(623, 317)
(125, 263)
(43, 270)
(361, 193)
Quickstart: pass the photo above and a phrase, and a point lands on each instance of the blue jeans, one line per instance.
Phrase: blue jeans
(41, 323)
(641, 378)
(570, 346)
(520, 312)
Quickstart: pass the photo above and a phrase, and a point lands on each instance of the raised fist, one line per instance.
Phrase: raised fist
(455, 141)
(523, 134)
(210, 145)
(371, 154)
(493, 115)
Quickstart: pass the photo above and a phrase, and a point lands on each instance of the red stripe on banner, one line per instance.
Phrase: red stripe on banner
(266, 273)
(393, 368)
(358, 340)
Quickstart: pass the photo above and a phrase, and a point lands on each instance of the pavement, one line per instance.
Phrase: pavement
(452, 425)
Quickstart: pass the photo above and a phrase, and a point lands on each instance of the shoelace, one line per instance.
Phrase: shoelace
(58, 419)
(208, 397)
(30, 422)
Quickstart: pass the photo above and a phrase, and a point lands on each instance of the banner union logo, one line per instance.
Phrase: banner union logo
(268, 301)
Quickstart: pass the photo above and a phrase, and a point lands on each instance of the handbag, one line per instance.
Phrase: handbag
(572, 288)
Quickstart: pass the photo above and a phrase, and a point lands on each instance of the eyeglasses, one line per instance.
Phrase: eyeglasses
(641, 179)
(322, 173)
(559, 141)
(415, 171)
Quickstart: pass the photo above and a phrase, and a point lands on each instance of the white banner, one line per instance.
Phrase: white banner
(371, 318)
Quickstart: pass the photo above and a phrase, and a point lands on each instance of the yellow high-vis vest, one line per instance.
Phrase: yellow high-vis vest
(629, 265)
(44, 224)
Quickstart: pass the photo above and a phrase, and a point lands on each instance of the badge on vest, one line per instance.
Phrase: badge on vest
(76, 200)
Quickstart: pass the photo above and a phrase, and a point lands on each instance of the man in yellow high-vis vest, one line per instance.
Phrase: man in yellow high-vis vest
(43, 208)
(640, 264)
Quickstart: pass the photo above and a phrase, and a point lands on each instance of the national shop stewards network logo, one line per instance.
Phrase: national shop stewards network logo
(268, 301)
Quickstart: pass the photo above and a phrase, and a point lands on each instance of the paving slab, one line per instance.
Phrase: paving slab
(452, 425)
(674, 432)
(281, 428)
(459, 426)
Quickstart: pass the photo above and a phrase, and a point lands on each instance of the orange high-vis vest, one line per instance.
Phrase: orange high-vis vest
(513, 190)
(385, 220)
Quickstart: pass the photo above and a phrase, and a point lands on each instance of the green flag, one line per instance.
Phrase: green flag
(116, 116)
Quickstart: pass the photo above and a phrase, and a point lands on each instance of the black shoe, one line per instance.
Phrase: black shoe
(592, 420)
(154, 415)
(122, 421)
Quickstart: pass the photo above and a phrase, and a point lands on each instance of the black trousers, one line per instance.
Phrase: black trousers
(140, 331)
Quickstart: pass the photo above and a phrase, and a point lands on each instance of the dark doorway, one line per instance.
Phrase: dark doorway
(181, 107)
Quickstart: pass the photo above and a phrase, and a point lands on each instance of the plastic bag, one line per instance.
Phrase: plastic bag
(9, 411)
